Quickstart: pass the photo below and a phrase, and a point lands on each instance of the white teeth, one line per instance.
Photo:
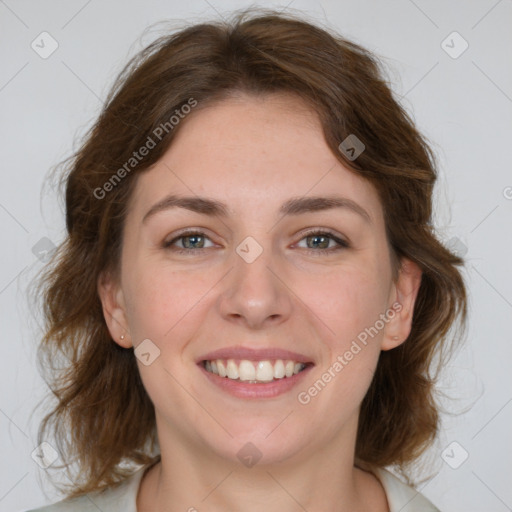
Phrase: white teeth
(279, 369)
(254, 371)
(265, 371)
(290, 366)
(221, 369)
(232, 369)
(246, 370)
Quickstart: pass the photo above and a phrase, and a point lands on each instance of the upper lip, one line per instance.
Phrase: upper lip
(254, 354)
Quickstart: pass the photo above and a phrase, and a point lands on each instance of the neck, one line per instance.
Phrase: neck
(191, 479)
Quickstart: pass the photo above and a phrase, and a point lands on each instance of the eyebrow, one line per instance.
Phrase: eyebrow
(294, 206)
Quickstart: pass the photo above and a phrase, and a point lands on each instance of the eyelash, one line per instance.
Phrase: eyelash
(342, 244)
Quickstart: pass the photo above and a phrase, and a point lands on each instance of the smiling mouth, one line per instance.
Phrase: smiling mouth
(254, 372)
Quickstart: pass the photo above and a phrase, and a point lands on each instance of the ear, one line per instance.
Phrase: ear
(402, 299)
(114, 310)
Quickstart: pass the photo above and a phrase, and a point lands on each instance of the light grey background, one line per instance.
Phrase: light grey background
(463, 105)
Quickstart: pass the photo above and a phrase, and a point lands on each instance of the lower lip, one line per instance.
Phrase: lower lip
(243, 389)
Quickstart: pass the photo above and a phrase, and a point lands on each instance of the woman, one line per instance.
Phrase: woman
(251, 294)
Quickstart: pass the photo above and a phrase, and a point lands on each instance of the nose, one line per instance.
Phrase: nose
(255, 294)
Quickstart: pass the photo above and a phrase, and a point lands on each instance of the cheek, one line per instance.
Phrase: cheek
(162, 302)
(166, 307)
(348, 301)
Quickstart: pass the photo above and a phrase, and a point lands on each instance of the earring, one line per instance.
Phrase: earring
(122, 336)
(395, 337)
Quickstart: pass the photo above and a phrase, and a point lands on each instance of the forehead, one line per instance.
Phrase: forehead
(252, 152)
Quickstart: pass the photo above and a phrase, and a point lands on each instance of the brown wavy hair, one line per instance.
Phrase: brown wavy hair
(103, 421)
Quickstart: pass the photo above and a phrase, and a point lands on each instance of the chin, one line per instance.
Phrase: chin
(261, 446)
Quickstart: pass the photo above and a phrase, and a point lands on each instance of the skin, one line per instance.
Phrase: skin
(255, 153)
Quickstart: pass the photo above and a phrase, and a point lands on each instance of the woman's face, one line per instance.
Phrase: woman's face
(273, 280)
